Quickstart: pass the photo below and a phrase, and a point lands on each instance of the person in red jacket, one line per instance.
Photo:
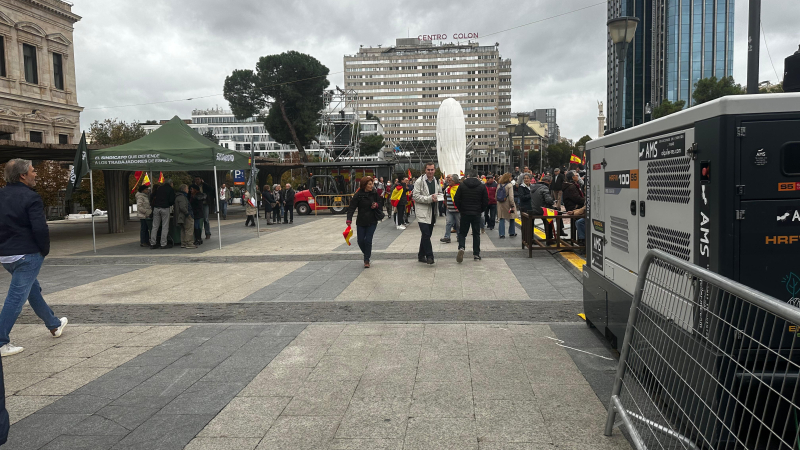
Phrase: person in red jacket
(490, 215)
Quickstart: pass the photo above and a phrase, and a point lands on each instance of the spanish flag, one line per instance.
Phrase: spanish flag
(397, 193)
(409, 174)
(409, 202)
(160, 177)
(574, 159)
(461, 173)
(549, 212)
(348, 233)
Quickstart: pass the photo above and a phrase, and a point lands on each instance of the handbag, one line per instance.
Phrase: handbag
(379, 214)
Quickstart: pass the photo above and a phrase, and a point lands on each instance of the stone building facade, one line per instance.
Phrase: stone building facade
(38, 97)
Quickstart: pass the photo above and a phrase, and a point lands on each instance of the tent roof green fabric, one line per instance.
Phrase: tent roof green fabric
(174, 146)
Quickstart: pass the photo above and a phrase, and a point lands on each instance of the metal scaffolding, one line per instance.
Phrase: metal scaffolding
(339, 129)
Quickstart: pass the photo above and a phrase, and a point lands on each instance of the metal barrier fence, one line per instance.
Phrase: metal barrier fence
(337, 203)
(531, 242)
(707, 363)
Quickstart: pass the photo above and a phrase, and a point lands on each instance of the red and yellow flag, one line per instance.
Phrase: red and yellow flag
(160, 177)
(396, 194)
(409, 174)
(549, 212)
(574, 159)
(348, 233)
(461, 173)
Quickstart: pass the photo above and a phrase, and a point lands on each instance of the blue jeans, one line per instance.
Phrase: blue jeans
(580, 225)
(144, 232)
(365, 239)
(511, 225)
(223, 208)
(453, 221)
(24, 286)
(205, 220)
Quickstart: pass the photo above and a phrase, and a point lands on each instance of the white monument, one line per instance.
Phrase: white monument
(601, 120)
(451, 137)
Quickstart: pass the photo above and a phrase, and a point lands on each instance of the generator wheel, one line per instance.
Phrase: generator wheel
(303, 209)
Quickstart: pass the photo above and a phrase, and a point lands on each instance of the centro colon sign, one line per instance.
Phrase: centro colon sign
(442, 37)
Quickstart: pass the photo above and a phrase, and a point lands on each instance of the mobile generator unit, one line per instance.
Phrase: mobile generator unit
(717, 185)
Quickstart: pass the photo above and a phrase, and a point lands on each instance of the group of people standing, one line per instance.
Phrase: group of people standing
(191, 206)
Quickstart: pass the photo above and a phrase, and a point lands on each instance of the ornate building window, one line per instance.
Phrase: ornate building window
(31, 67)
(36, 136)
(58, 71)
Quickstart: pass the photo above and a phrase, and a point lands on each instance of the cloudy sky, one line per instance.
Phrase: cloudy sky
(139, 52)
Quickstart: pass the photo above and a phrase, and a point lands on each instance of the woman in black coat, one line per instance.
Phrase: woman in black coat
(268, 200)
(366, 202)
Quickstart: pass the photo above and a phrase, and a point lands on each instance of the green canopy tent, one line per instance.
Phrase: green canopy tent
(173, 147)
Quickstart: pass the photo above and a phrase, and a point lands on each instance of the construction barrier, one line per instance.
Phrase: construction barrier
(707, 363)
(532, 242)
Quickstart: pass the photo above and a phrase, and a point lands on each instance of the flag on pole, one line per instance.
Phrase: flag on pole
(138, 176)
(80, 167)
(461, 173)
(160, 177)
(348, 233)
(409, 174)
(146, 180)
(574, 159)
(397, 193)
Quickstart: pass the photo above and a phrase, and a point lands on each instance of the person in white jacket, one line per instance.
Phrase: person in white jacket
(143, 211)
(427, 193)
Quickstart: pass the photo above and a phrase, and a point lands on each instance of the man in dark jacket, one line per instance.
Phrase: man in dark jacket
(557, 187)
(572, 194)
(540, 199)
(288, 195)
(491, 211)
(162, 200)
(471, 199)
(24, 243)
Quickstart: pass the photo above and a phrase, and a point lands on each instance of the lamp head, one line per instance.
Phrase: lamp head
(511, 128)
(622, 29)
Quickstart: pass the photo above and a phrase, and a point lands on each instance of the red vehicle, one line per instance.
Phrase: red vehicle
(333, 184)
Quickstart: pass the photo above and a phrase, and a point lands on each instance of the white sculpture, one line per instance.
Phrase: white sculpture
(451, 137)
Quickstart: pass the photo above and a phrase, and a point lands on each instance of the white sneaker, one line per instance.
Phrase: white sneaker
(57, 332)
(401, 227)
(8, 350)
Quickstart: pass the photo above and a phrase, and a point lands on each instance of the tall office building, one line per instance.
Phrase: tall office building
(677, 43)
(548, 116)
(405, 84)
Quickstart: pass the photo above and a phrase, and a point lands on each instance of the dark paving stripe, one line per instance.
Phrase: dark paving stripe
(546, 279)
(338, 256)
(370, 311)
(162, 398)
(56, 278)
(318, 280)
(385, 234)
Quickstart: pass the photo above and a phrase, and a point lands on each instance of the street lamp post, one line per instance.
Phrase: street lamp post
(621, 30)
(511, 129)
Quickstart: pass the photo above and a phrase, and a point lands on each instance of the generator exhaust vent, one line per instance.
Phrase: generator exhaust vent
(669, 180)
(619, 233)
(676, 243)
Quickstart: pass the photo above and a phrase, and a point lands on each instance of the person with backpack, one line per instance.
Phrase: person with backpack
(506, 206)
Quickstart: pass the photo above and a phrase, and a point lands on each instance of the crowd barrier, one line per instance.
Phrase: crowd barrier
(531, 242)
(706, 363)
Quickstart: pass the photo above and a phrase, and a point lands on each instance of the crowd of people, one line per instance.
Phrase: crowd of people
(473, 202)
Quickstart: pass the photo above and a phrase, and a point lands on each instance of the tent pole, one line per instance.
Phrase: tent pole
(219, 225)
(91, 196)
(258, 213)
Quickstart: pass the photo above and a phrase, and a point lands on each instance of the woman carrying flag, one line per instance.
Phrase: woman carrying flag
(398, 201)
(366, 202)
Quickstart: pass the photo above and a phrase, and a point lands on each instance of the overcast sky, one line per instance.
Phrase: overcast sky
(133, 52)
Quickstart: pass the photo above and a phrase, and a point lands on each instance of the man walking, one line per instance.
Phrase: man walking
(163, 199)
(471, 200)
(452, 222)
(427, 193)
(223, 201)
(557, 187)
(491, 211)
(289, 204)
(24, 243)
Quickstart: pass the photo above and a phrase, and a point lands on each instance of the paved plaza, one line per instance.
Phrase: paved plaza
(284, 341)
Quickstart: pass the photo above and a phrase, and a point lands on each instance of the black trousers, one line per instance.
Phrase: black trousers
(288, 214)
(276, 214)
(250, 218)
(400, 218)
(475, 223)
(425, 247)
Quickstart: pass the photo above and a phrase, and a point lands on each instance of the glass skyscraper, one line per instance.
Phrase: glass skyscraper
(677, 43)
